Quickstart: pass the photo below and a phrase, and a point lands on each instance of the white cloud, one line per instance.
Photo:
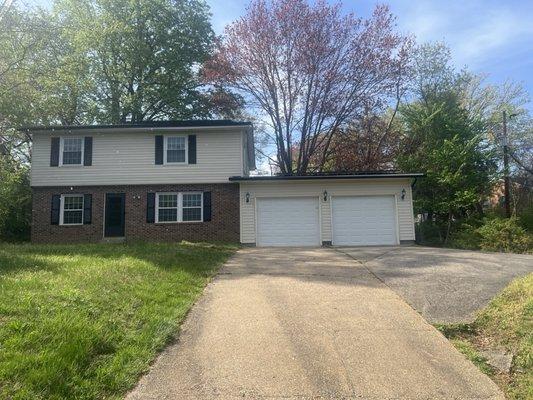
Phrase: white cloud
(475, 30)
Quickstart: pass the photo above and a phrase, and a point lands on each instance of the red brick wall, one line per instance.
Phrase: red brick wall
(223, 227)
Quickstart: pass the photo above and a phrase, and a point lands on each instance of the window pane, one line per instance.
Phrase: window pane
(175, 156)
(71, 157)
(73, 202)
(72, 148)
(167, 214)
(192, 200)
(192, 214)
(176, 143)
(72, 144)
(168, 200)
(72, 217)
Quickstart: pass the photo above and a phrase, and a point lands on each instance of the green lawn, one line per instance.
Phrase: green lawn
(84, 321)
(506, 323)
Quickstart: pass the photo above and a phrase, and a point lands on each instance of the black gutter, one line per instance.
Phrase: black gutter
(320, 177)
(152, 124)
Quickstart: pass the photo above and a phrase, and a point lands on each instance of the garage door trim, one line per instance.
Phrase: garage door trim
(396, 218)
(256, 214)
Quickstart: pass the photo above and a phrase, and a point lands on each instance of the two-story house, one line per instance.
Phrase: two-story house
(190, 180)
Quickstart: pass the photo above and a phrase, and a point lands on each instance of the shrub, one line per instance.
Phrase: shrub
(15, 202)
(505, 235)
(526, 218)
(428, 233)
(466, 237)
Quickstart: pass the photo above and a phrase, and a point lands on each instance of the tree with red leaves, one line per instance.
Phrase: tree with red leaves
(309, 71)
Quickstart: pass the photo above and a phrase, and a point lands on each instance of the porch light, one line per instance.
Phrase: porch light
(325, 195)
(247, 197)
(403, 194)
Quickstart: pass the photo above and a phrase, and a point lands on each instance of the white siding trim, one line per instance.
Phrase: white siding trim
(397, 219)
(319, 210)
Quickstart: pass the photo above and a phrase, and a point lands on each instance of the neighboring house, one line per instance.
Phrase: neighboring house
(190, 180)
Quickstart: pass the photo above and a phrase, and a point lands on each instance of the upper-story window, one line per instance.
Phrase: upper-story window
(71, 152)
(175, 149)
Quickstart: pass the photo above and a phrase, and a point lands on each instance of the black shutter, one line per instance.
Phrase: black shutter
(88, 151)
(192, 149)
(207, 206)
(54, 152)
(159, 149)
(87, 208)
(150, 208)
(55, 209)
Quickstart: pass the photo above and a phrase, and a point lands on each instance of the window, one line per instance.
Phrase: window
(192, 207)
(179, 207)
(71, 151)
(175, 149)
(71, 209)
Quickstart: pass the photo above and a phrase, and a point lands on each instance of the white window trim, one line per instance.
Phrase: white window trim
(165, 146)
(180, 208)
(62, 209)
(61, 147)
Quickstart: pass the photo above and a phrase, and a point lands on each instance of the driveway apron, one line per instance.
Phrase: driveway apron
(308, 323)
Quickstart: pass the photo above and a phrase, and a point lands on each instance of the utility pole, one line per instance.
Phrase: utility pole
(507, 180)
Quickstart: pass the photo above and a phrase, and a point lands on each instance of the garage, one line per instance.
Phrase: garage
(364, 220)
(371, 209)
(288, 221)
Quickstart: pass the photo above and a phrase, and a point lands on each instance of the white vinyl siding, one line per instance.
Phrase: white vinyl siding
(128, 158)
(342, 187)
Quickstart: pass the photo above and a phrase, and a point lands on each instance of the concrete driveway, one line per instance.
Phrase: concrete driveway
(444, 285)
(308, 324)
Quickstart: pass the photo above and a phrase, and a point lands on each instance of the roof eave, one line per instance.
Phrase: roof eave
(324, 177)
(133, 129)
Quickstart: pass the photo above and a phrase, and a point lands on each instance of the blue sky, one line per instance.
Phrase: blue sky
(487, 36)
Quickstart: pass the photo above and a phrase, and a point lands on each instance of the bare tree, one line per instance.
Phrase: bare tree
(309, 69)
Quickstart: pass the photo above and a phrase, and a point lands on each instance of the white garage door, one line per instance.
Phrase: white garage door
(364, 220)
(288, 222)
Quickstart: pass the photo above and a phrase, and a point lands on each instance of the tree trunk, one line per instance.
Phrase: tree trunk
(449, 227)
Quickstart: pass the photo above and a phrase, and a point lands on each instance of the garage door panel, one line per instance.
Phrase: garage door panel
(287, 222)
(364, 220)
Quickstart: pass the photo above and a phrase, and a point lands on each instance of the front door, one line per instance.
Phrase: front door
(114, 214)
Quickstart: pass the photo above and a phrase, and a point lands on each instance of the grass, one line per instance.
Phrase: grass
(84, 321)
(506, 323)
